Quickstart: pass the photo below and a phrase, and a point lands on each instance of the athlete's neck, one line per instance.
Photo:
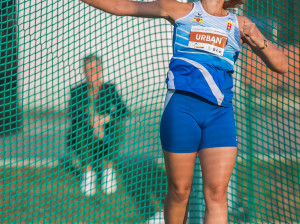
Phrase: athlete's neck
(214, 7)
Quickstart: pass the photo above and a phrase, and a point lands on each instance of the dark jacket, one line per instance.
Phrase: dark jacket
(108, 102)
(81, 134)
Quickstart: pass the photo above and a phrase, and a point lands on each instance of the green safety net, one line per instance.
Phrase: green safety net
(57, 165)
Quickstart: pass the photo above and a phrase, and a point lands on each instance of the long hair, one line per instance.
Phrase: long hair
(229, 4)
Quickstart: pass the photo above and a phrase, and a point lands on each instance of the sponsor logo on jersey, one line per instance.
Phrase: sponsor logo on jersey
(230, 23)
(208, 39)
(198, 18)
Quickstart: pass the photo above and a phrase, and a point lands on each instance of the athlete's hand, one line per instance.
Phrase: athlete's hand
(253, 35)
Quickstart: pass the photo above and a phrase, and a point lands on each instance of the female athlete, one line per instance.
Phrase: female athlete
(198, 116)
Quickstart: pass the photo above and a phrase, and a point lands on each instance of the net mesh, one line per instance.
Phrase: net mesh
(58, 165)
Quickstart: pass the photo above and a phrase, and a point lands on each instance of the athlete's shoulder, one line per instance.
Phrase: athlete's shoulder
(176, 9)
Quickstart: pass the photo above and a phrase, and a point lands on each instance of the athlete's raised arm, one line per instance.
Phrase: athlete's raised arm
(168, 9)
(268, 52)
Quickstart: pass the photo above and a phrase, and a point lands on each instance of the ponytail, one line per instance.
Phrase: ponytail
(229, 4)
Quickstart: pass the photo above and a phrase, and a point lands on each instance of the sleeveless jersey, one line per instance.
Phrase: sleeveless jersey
(205, 48)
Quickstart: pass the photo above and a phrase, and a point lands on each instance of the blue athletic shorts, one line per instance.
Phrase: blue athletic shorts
(190, 123)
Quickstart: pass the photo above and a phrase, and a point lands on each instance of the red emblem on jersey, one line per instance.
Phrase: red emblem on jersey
(230, 23)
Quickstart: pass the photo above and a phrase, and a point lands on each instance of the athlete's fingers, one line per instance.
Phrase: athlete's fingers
(248, 28)
(248, 38)
(252, 34)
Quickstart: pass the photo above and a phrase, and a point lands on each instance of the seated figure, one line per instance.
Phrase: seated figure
(96, 111)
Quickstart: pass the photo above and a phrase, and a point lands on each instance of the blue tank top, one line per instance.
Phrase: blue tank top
(205, 48)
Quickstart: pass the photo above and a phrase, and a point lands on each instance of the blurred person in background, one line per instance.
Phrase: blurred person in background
(96, 111)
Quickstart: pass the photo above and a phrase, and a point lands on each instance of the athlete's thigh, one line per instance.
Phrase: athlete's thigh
(179, 131)
(217, 165)
(180, 169)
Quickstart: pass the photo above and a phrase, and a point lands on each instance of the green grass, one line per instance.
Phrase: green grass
(40, 195)
(52, 195)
